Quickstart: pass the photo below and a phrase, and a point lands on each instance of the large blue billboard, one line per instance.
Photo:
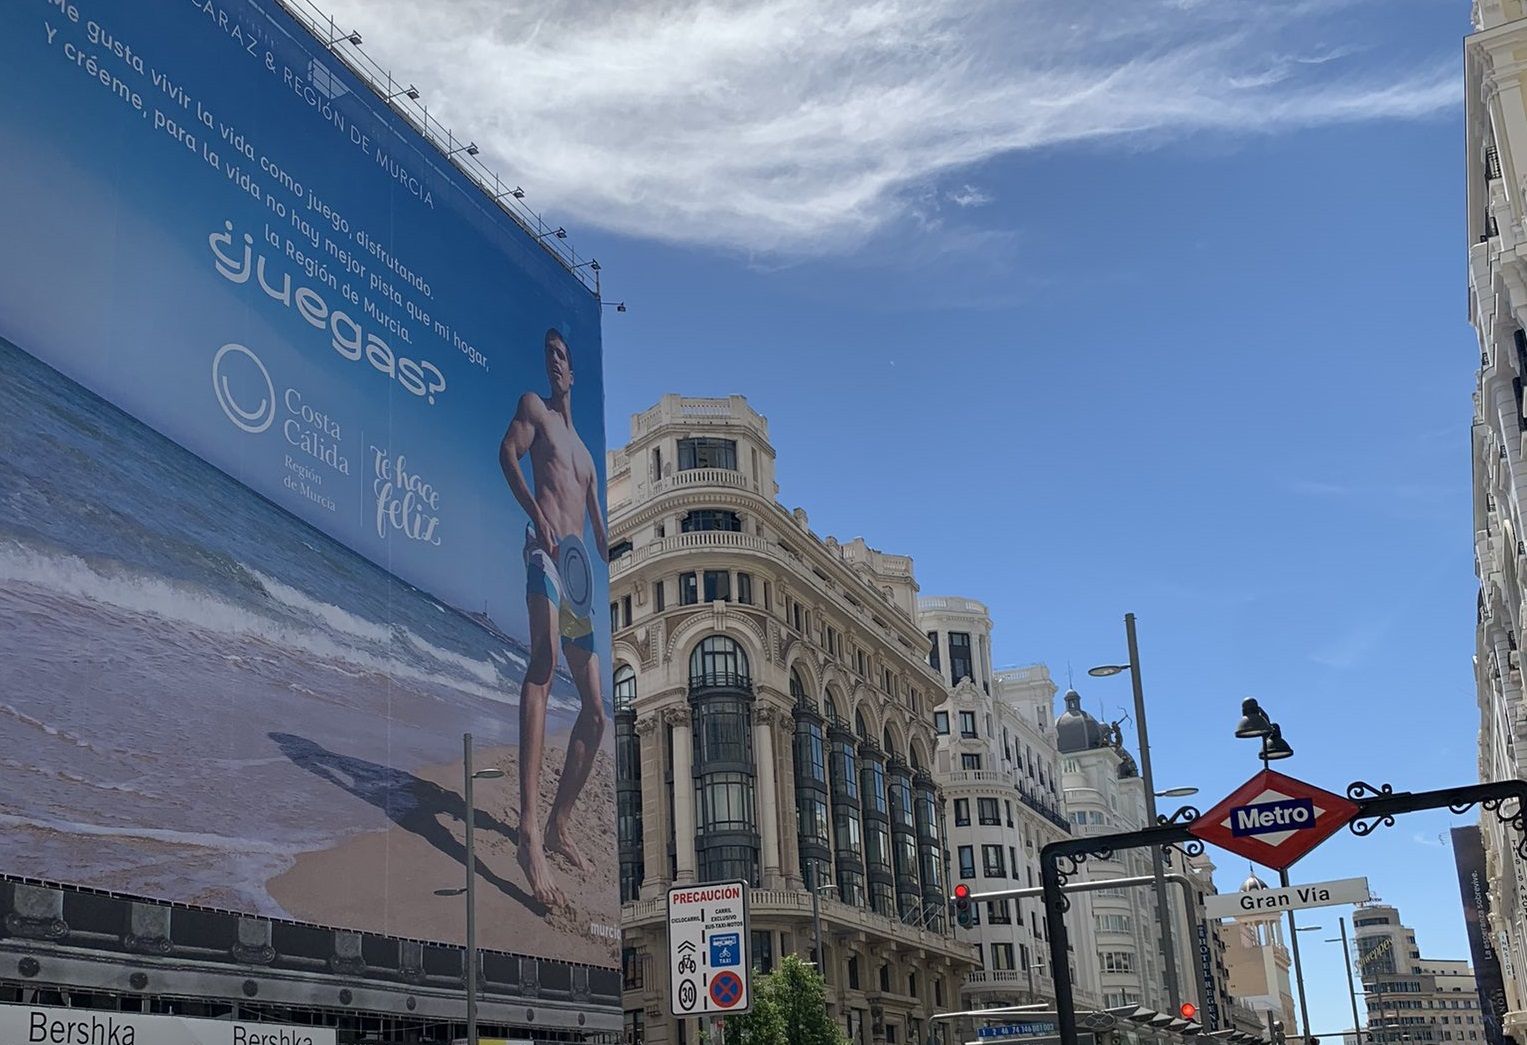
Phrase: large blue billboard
(301, 478)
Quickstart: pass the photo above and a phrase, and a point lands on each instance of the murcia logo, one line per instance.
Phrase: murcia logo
(255, 384)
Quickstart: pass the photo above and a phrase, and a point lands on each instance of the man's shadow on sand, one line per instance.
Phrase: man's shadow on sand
(410, 802)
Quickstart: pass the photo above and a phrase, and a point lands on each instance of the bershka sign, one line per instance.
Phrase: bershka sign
(40, 1025)
(1274, 819)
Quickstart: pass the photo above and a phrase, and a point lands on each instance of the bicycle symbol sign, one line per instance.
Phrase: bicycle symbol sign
(726, 989)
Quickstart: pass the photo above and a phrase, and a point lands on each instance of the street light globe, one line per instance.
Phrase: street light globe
(487, 774)
(1103, 671)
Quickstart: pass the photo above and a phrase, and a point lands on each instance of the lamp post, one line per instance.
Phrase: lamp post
(1168, 951)
(1346, 954)
(470, 890)
(1255, 724)
(817, 889)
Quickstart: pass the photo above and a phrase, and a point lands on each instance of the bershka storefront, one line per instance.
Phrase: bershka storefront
(40, 1025)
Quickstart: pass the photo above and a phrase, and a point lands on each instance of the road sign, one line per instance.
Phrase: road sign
(1274, 819)
(708, 961)
(1269, 903)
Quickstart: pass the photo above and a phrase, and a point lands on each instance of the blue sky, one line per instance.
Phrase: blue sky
(1163, 314)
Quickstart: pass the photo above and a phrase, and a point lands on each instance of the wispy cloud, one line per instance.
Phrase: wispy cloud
(968, 196)
(808, 125)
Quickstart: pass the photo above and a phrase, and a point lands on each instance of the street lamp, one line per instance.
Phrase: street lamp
(1255, 724)
(1168, 952)
(469, 890)
(1177, 792)
(816, 917)
(1346, 954)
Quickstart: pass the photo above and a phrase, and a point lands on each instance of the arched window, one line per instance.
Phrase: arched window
(888, 743)
(625, 687)
(797, 688)
(859, 726)
(830, 707)
(718, 661)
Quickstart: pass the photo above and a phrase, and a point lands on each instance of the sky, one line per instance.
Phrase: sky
(1091, 309)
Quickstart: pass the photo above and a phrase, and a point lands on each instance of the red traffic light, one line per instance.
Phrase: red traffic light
(962, 891)
(1187, 1010)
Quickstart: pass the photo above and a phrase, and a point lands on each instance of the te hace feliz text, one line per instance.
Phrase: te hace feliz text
(418, 377)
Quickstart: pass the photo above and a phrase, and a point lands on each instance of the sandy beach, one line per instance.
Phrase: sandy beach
(396, 870)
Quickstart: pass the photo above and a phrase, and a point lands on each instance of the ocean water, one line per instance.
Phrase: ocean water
(184, 667)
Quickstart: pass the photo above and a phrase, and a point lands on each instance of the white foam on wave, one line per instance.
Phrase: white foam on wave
(170, 836)
(197, 608)
(331, 616)
(8, 711)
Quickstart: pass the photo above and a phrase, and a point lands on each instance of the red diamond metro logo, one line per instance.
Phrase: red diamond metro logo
(1274, 819)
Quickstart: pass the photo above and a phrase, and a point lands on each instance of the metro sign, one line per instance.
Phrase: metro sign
(1274, 819)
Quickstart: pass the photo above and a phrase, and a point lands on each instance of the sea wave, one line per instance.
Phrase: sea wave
(337, 638)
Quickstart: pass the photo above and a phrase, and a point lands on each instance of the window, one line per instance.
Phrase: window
(625, 611)
(1009, 807)
(969, 761)
(630, 968)
(986, 811)
(795, 616)
(658, 603)
(890, 683)
(718, 586)
(967, 861)
(618, 549)
(707, 453)
(711, 519)
(689, 591)
(992, 865)
(968, 724)
(941, 723)
(933, 650)
(998, 912)
(853, 973)
(962, 812)
(718, 661)
(959, 656)
(625, 687)
(861, 662)
(745, 588)
(1114, 923)
(763, 951)
(1002, 956)
(1117, 961)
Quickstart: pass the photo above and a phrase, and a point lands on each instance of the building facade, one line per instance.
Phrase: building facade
(1103, 794)
(1410, 998)
(999, 770)
(1257, 963)
(1496, 175)
(773, 724)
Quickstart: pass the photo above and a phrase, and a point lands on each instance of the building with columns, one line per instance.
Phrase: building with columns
(773, 724)
(1495, 122)
(1258, 962)
(999, 769)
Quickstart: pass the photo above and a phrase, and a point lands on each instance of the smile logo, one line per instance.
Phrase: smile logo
(235, 366)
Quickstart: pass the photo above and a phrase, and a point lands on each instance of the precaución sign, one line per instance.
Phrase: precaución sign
(708, 955)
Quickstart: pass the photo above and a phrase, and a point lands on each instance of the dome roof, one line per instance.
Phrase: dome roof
(1076, 730)
(1252, 883)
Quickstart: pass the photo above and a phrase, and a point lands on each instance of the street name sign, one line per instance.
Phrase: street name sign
(708, 959)
(1274, 819)
(1269, 903)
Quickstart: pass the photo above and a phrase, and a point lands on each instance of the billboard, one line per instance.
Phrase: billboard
(1474, 889)
(301, 478)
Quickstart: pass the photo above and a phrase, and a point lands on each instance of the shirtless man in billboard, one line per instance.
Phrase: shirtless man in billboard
(566, 492)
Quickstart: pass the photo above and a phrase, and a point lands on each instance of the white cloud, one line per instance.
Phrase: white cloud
(808, 125)
(968, 196)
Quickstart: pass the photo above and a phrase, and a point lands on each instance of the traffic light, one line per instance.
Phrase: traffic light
(962, 912)
(1276, 1026)
(1187, 1010)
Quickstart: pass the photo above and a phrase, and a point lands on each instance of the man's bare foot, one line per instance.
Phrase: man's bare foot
(558, 841)
(533, 862)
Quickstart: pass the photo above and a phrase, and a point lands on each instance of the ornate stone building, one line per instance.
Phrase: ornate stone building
(1495, 123)
(773, 724)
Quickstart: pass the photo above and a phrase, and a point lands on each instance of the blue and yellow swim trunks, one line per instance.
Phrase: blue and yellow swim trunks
(543, 578)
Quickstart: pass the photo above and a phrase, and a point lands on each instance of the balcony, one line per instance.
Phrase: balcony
(698, 540)
(703, 477)
(710, 682)
(775, 903)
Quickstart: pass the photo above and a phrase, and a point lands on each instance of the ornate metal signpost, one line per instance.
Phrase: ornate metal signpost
(1273, 819)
